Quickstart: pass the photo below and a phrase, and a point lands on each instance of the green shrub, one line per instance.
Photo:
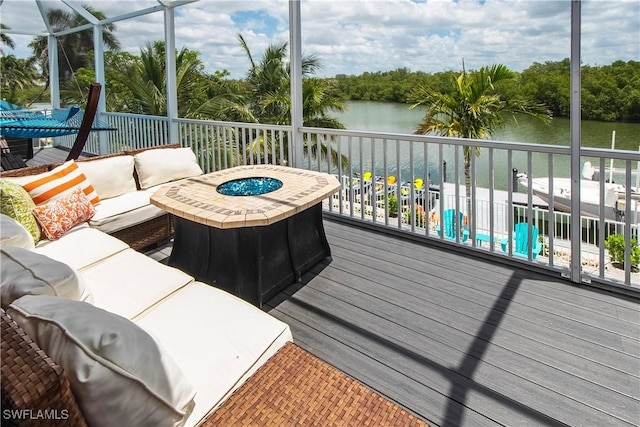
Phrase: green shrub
(615, 244)
(392, 204)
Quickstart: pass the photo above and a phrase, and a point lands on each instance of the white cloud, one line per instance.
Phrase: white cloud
(354, 36)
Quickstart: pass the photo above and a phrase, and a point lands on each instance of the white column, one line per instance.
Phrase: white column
(170, 62)
(576, 222)
(296, 84)
(54, 73)
(98, 49)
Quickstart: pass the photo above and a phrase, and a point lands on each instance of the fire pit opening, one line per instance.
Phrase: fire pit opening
(249, 186)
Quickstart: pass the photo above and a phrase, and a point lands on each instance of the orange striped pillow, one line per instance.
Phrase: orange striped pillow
(59, 182)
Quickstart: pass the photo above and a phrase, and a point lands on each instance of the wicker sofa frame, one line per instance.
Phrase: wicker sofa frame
(154, 232)
(31, 382)
(292, 388)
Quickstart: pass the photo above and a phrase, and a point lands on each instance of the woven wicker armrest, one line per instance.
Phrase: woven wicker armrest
(31, 170)
(35, 391)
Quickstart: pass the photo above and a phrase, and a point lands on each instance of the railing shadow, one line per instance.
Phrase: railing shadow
(461, 378)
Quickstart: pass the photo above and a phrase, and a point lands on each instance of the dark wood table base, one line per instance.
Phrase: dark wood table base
(253, 263)
(296, 388)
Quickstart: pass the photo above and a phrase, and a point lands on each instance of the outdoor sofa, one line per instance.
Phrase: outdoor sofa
(141, 343)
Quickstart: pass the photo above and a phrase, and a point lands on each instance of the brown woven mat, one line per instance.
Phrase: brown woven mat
(296, 388)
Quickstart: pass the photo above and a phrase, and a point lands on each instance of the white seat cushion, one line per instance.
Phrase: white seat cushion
(124, 211)
(217, 339)
(119, 375)
(81, 247)
(129, 282)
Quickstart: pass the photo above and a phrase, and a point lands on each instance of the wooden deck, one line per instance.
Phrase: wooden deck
(462, 341)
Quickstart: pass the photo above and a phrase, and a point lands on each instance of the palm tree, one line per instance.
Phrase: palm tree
(473, 109)
(74, 48)
(5, 39)
(270, 99)
(145, 77)
(17, 74)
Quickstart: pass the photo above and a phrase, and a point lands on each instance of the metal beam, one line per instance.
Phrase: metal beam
(73, 30)
(175, 3)
(170, 64)
(296, 82)
(98, 49)
(54, 74)
(574, 120)
(43, 14)
(132, 14)
(82, 12)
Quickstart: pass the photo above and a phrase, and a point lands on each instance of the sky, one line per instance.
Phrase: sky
(351, 37)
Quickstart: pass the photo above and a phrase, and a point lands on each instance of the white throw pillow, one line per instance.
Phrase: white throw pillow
(23, 272)
(110, 177)
(118, 373)
(164, 165)
(12, 233)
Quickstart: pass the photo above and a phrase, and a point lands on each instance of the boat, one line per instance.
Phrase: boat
(614, 199)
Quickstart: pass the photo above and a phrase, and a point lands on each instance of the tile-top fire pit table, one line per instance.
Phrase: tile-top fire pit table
(250, 244)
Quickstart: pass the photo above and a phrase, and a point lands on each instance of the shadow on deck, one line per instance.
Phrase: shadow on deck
(461, 341)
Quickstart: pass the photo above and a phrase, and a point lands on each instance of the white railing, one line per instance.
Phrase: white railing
(133, 131)
(429, 178)
(220, 145)
(497, 199)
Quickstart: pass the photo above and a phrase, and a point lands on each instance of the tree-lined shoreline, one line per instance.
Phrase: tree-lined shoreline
(609, 92)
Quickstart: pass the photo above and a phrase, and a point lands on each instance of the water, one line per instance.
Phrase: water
(398, 118)
(393, 117)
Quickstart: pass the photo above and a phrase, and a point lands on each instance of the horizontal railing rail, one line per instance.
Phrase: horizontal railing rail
(133, 131)
(409, 182)
(220, 145)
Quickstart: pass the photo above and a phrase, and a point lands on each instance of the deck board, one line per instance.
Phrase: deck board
(503, 338)
(460, 340)
(526, 304)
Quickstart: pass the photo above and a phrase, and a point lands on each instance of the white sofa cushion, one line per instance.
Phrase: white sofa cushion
(118, 373)
(219, 340)
(81, 247)
(124, 211)
(111, 176)
(129, 282)
(164, 165)
(23, 272)
(13, 233)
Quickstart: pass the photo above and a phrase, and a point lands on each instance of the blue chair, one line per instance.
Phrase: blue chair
(521, 245)
(449, 224)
